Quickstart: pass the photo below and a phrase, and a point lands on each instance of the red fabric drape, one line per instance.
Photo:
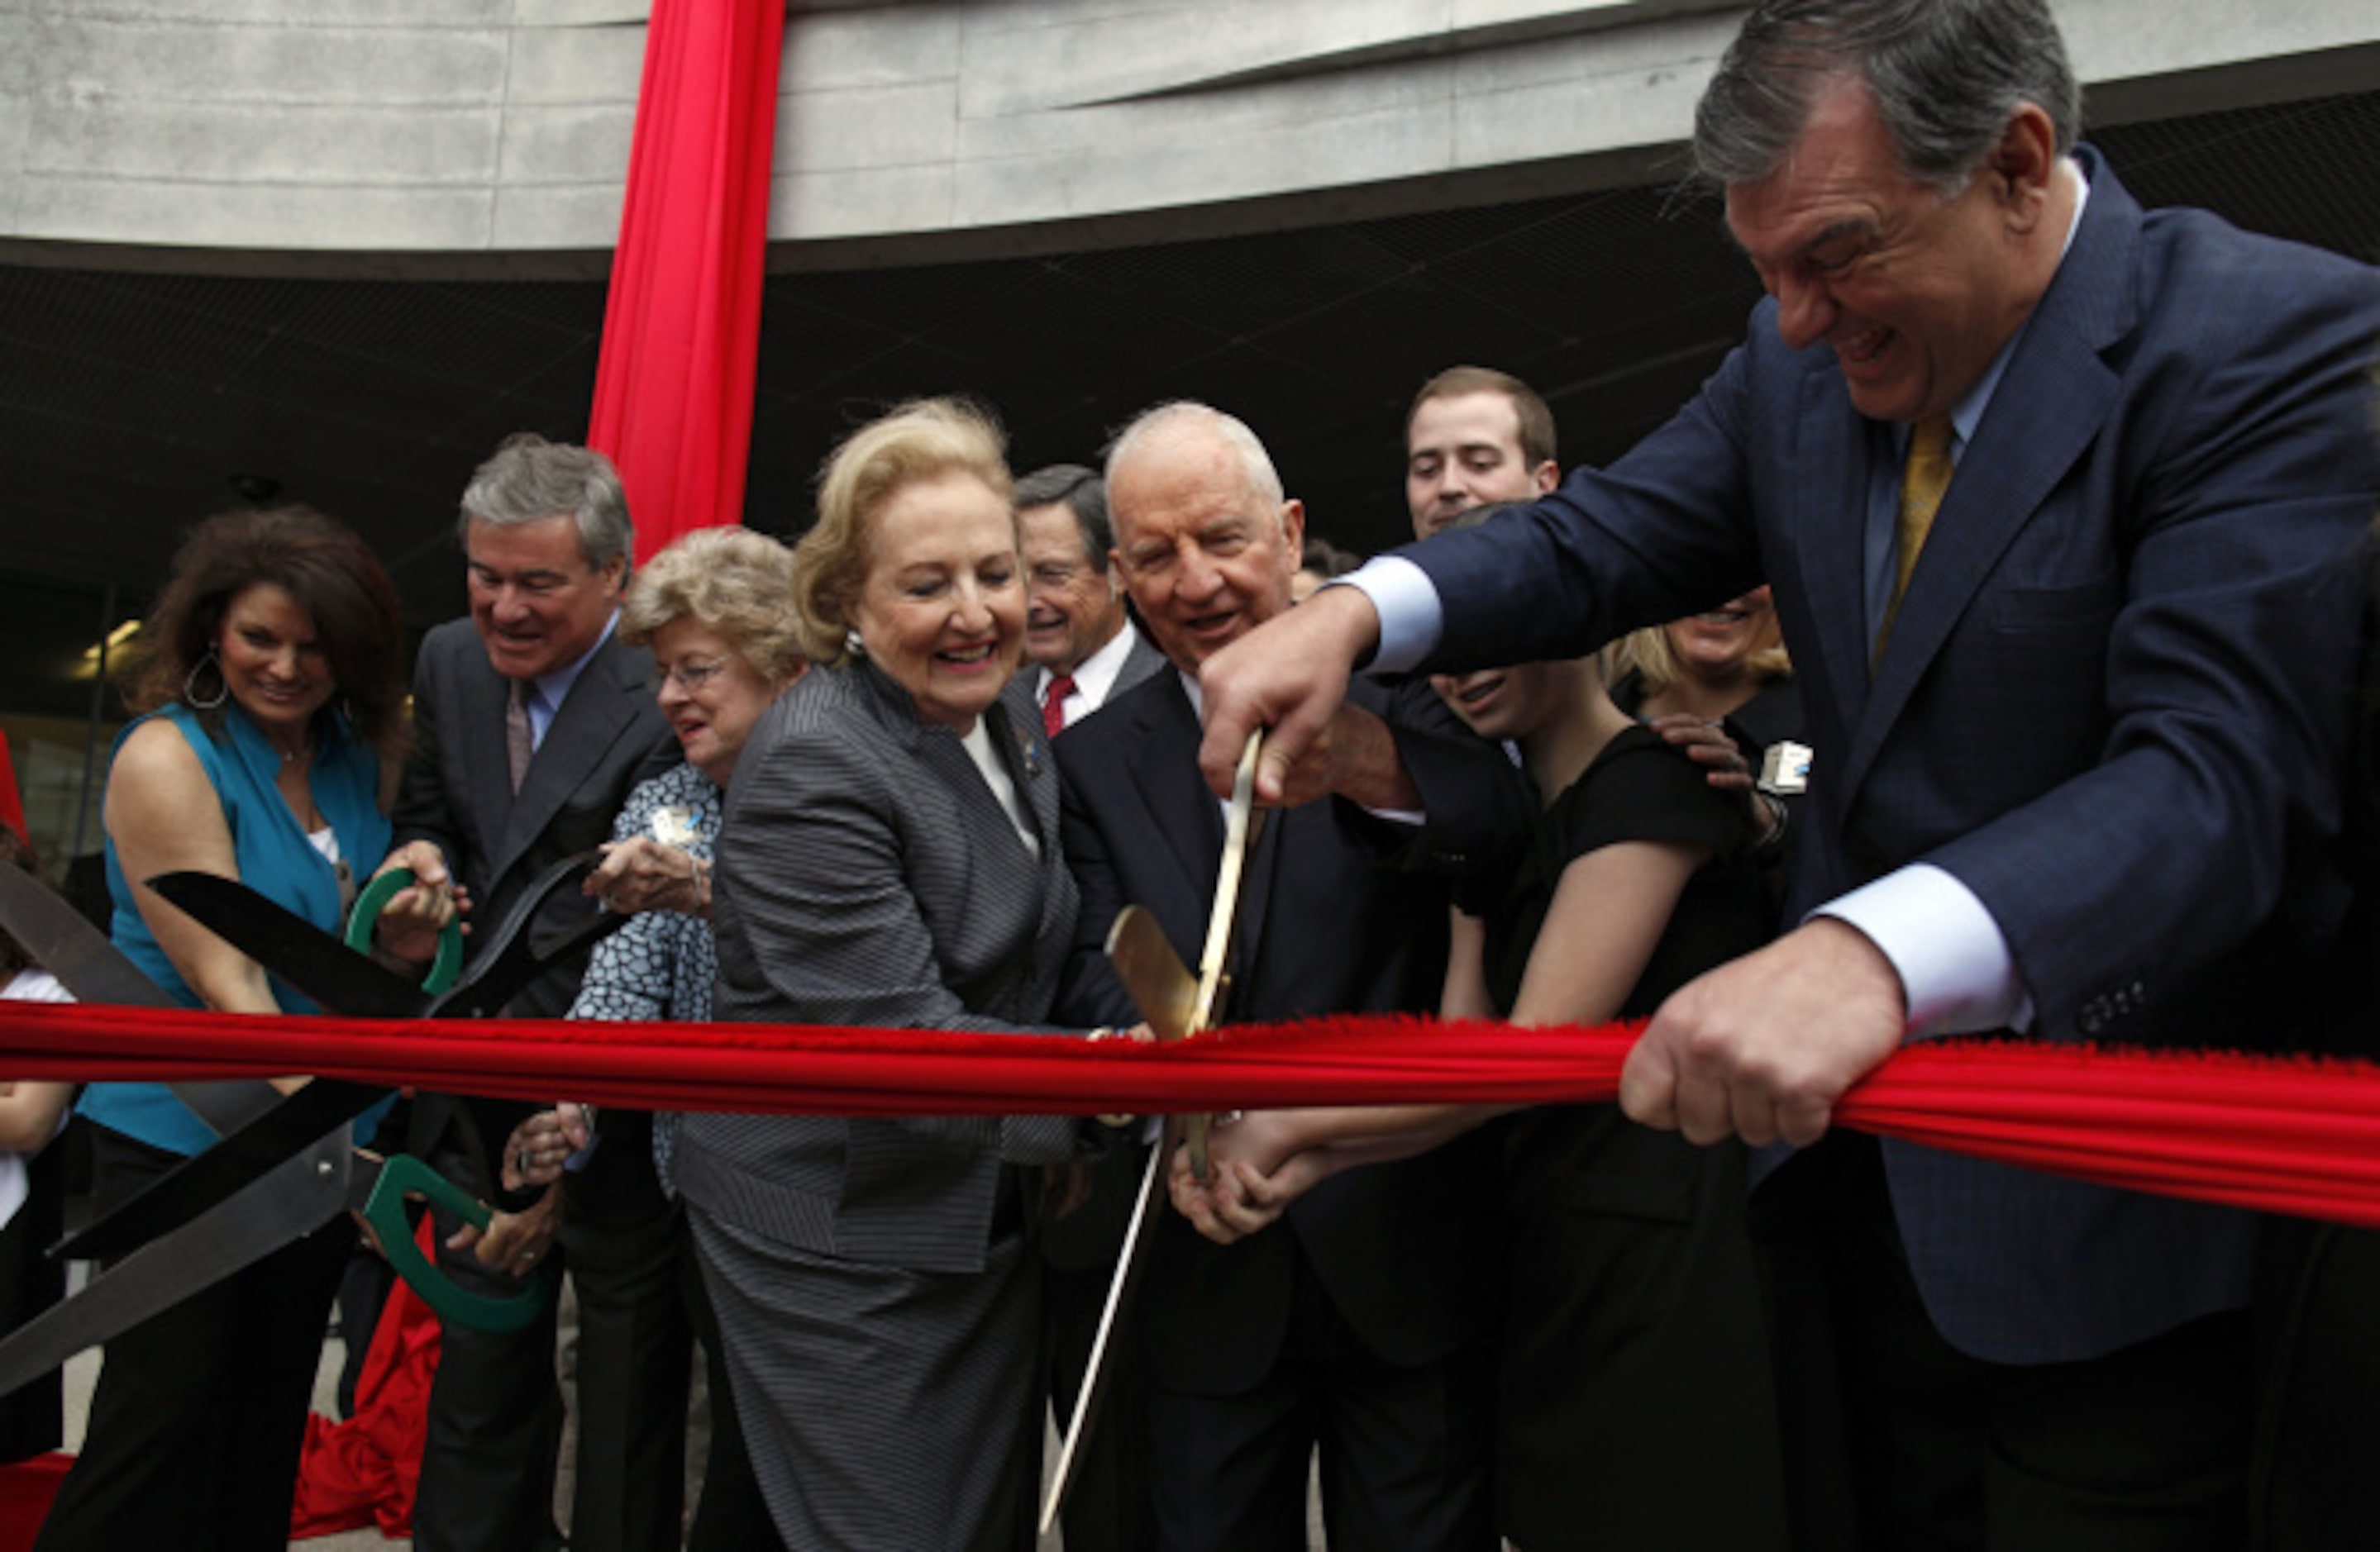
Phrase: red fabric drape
(26, 1490)
(367, 1470)
(2287, 1134)
(12, 802)
(682, 324)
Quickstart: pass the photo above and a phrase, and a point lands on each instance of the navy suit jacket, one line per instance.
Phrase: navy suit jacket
(1330, 924)
(2113, 704)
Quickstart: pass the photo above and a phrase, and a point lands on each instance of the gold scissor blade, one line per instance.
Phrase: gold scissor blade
(1161, 986)
(1214, 965)
(1217, 958)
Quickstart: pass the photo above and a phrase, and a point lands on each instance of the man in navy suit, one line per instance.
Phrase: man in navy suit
(2083, 711)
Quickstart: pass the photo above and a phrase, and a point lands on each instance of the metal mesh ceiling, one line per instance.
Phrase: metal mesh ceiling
(128, 401)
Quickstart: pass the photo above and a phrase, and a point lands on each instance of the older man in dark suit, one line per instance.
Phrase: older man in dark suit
(1080, 644)
(532, 724)
(1360, 1324)
(2086, 698)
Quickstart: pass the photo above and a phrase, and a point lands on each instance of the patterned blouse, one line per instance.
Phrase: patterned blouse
(662, 964)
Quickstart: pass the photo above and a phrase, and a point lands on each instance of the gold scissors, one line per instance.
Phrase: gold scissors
(1175, 1006)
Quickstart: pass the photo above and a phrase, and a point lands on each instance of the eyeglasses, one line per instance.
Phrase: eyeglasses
(690, 676)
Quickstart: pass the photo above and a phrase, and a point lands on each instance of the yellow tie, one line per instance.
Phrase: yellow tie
(1924, 478)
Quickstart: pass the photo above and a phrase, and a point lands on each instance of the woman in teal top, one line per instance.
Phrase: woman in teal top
(272, 692)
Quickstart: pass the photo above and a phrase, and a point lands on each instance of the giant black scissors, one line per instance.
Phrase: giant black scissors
(284, 1166)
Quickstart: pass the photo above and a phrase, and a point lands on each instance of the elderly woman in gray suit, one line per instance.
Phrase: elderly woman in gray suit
(890, 856)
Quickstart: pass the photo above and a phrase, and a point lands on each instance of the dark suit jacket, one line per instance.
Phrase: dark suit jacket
(1330, 925)
(2113, 705)
(867, 876)
(1142, 662)
(606, 737)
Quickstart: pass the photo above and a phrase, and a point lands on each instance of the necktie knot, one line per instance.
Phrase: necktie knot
(1053, 704)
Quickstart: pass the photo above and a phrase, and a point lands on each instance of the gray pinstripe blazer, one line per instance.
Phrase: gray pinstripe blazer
(867, 876)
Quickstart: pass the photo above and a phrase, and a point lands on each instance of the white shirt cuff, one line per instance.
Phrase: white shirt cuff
(1411, 618)
(1955, 967)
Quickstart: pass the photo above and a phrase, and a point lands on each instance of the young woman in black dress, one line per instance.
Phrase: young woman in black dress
(1637, 1407)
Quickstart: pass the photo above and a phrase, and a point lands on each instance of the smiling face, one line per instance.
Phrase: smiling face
(1071, 610)
(1915, 292)
(1463, 450)
(711, 693)
(538, 603)
(270, 663)
(1716, 644)
(1206, 558)
(941, 607)
(1506, 702)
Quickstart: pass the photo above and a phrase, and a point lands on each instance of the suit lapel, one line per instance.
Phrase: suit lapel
(1014, 724)
(1835, 451)
(1256, 893)
(1163, 757)
(1015, 728)
(477, 733)
(2048, 409)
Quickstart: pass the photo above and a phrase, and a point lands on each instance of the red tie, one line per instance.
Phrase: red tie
(1053, 704)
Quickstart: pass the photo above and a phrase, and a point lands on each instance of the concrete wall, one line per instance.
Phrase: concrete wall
(497, 130)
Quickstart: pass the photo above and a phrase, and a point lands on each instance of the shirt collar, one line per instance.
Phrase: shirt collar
(552, 687)
(1968, 413)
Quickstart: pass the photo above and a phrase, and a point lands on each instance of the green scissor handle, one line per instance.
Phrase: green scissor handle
(384, 1210)
(374, 899)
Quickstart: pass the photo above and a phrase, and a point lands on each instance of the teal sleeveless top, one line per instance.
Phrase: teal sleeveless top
(276, 859)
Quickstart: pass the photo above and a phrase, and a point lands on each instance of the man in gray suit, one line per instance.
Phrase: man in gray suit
(532, 724)
(1079, 640)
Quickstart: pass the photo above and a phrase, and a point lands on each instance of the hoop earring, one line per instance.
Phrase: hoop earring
(190, 683)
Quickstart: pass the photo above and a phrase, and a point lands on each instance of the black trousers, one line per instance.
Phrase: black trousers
(32, 1416)
(2318, 1328)
(1109, 1508)
(628, 1256)
(2143, 1449)
(195, 1427)
(495, 1408)
(1404, 1451)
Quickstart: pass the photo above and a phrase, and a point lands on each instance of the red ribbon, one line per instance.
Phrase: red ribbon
(2282, 1134)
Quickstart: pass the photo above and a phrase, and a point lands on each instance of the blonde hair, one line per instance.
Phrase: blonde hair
(916, 441)
(1646, 649)
(728, 579)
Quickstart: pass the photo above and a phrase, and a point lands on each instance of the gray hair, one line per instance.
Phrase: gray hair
(1945, 76)
(1263, 480)
(727, 579)
(1081, 492)
(529, 479)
